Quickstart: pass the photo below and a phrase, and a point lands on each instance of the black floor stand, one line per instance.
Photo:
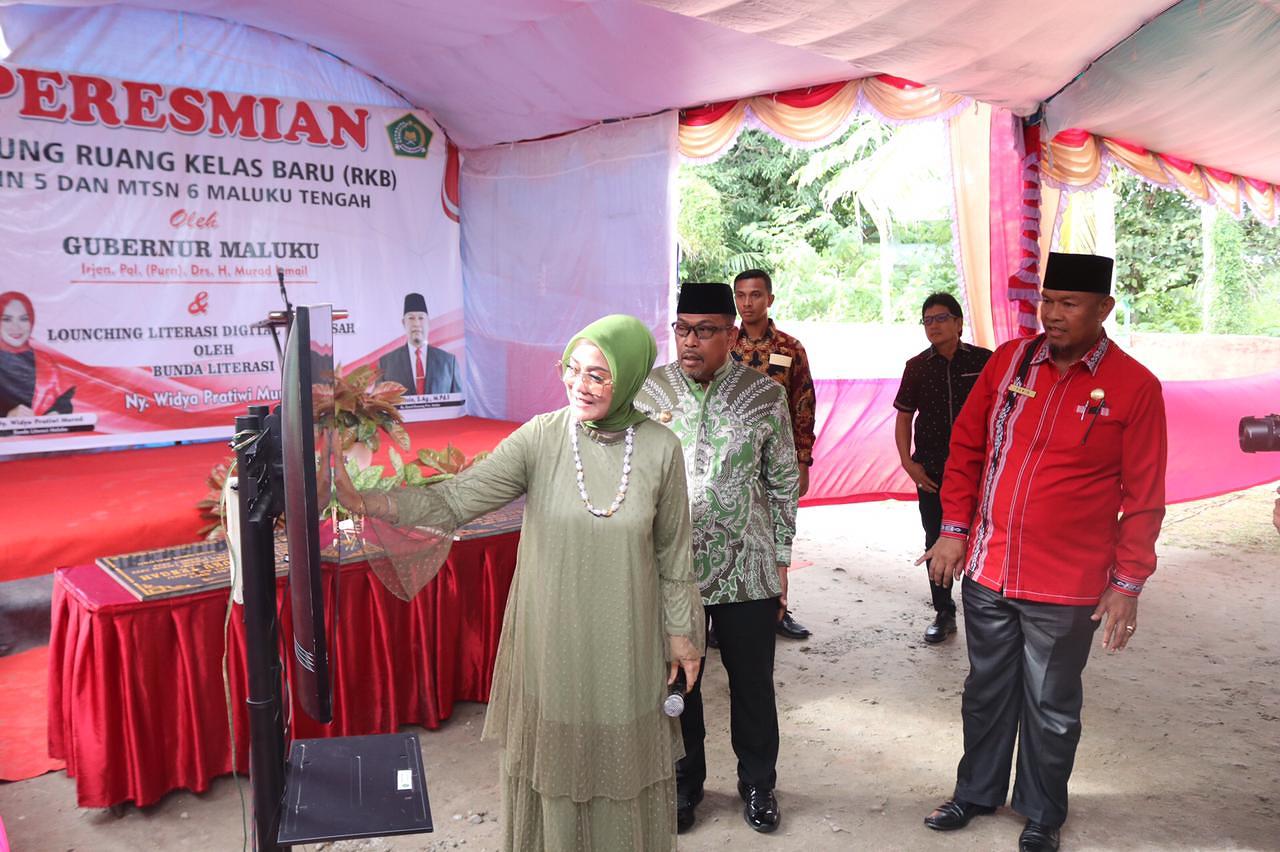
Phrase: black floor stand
(257, 462)
(333, 788)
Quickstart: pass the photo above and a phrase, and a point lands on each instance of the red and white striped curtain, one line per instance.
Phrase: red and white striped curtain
(1079, 160)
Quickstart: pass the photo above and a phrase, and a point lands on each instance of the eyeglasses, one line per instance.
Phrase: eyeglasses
(592, 382)
(937, 318)
(702, 330)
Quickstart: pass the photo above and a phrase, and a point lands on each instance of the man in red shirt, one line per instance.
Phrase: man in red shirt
(1061, 434)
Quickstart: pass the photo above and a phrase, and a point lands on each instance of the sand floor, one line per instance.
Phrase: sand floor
(1181, 744)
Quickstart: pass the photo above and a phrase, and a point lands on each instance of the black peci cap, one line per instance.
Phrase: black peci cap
(1081, 273)
(711, 298)
(415, 302)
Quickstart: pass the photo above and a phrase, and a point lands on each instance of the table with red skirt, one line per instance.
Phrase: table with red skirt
(137, 705)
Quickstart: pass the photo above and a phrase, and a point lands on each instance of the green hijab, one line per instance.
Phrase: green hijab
(630, 351)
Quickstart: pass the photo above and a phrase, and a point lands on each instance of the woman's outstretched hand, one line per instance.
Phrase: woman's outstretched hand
(348, 497)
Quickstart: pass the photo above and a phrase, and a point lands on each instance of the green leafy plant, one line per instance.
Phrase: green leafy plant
(430, 466)
(359, 406)
(448, 462)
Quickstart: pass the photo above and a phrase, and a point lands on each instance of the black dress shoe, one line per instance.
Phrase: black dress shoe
(943, 626)
(761, 810)
(955, 813)
(712, 641)
(792, 629)
(685, 803)
(1038, 838)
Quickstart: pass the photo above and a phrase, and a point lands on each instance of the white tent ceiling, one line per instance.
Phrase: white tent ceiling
(496, 70)
(1198, 79)
(1201, 80)
(1010, 53)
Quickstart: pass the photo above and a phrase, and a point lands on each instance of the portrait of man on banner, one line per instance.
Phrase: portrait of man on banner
(421, 368)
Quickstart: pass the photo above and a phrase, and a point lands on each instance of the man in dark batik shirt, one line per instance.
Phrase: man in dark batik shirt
(760, 346)
(935, 385)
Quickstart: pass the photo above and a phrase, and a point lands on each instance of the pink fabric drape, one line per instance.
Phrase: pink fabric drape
(997, 220)
(1204, 446)
(855, 460)
(1006, 220)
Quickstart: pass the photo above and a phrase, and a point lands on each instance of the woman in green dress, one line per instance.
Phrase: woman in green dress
(603, 611)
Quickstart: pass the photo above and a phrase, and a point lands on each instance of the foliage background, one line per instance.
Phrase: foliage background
(860, 232)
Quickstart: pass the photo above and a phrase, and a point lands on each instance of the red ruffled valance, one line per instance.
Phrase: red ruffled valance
(1074, 159)
(814, 115)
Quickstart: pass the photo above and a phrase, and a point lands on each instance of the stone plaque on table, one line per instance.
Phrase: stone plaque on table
(180, 570)
(202, 566)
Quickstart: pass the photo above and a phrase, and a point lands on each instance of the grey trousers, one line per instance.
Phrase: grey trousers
(1025, 663)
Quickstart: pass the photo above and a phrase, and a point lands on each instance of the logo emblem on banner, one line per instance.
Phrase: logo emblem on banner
(409, 137)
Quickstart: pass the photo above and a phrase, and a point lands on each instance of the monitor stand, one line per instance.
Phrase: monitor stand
(348, 787)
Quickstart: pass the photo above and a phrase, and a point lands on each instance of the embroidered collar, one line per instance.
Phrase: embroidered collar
(1091, 359)
(719, 374)
(768, 332)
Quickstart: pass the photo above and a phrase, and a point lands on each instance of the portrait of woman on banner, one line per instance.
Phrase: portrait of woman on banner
(30, 382)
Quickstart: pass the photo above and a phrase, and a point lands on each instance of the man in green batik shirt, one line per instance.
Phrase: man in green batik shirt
(740, 460)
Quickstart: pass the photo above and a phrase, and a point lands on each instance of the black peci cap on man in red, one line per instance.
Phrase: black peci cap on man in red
(1081, 273)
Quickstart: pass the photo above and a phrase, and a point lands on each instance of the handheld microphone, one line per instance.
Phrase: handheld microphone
(674, 704)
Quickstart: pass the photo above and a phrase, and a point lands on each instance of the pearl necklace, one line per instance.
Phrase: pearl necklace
(626, 472)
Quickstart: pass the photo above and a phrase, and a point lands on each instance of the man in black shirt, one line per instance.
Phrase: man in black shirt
(934, 386)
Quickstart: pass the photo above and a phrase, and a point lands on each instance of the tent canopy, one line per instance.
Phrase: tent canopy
(1196, 80)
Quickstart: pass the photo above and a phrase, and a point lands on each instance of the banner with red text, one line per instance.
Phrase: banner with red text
(145, 229)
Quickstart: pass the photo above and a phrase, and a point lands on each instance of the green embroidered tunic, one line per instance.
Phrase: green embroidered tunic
(740, 458)
(588, 757)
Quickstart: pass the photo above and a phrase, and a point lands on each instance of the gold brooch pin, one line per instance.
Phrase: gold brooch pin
(665, 416)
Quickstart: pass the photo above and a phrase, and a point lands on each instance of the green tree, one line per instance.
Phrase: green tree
(807, 217)
(1158, 255)
(1260, 256)
(1230, 308)
(708, 247)
(1160, 269)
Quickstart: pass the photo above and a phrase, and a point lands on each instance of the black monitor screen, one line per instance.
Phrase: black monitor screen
(307, 380)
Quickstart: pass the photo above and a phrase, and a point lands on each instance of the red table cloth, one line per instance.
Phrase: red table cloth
(136, 699)
(73, 508)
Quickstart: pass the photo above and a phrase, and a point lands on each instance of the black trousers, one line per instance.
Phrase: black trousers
(1025, 663)
(931, 520)
(746, 632)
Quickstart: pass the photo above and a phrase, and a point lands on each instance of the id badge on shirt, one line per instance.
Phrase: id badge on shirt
(776, 360)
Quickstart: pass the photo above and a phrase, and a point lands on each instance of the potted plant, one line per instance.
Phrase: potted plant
(359, 408)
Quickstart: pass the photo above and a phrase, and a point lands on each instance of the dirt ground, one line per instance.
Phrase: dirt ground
(1181, 745)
